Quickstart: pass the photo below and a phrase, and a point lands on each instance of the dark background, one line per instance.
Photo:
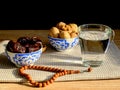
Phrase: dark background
(46, 22)
(36, 16)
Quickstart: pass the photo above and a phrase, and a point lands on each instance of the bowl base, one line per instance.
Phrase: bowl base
(22, 65)
(64, 50)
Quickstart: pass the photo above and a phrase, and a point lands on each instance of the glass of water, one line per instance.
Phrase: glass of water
(94, 43)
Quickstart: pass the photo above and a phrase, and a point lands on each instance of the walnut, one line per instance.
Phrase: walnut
(73, 34)
(61, 25)
(54, 32)
(74, 27)
(64, 34)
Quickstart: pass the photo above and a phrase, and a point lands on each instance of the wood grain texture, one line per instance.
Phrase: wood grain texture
(74, 85)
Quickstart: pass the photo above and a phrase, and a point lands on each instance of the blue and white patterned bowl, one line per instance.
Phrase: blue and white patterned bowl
(21, 59)
(63, 44)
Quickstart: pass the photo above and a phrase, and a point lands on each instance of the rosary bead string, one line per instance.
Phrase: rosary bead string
(58, 72)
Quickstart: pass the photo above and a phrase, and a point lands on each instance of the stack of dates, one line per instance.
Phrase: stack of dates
(24, 45)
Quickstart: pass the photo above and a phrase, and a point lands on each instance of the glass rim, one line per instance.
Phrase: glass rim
(95, 24)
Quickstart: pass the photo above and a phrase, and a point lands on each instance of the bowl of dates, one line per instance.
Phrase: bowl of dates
(24, 51)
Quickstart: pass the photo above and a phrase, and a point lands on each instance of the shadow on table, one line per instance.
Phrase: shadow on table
(5, 63)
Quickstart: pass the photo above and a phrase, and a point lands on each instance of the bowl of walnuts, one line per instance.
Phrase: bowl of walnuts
(24, 51)
(63, 36)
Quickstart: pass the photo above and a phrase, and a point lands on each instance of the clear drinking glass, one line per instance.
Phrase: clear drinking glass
(94, 42)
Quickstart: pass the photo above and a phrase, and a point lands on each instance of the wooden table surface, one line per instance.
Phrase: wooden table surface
(74, 85)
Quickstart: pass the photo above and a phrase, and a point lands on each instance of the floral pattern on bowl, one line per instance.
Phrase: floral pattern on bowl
(63, 44)
(21, 59)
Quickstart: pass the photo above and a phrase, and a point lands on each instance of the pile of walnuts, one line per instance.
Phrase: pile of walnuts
(63, 30)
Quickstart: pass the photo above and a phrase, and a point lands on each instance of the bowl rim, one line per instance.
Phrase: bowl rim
(63, 38)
